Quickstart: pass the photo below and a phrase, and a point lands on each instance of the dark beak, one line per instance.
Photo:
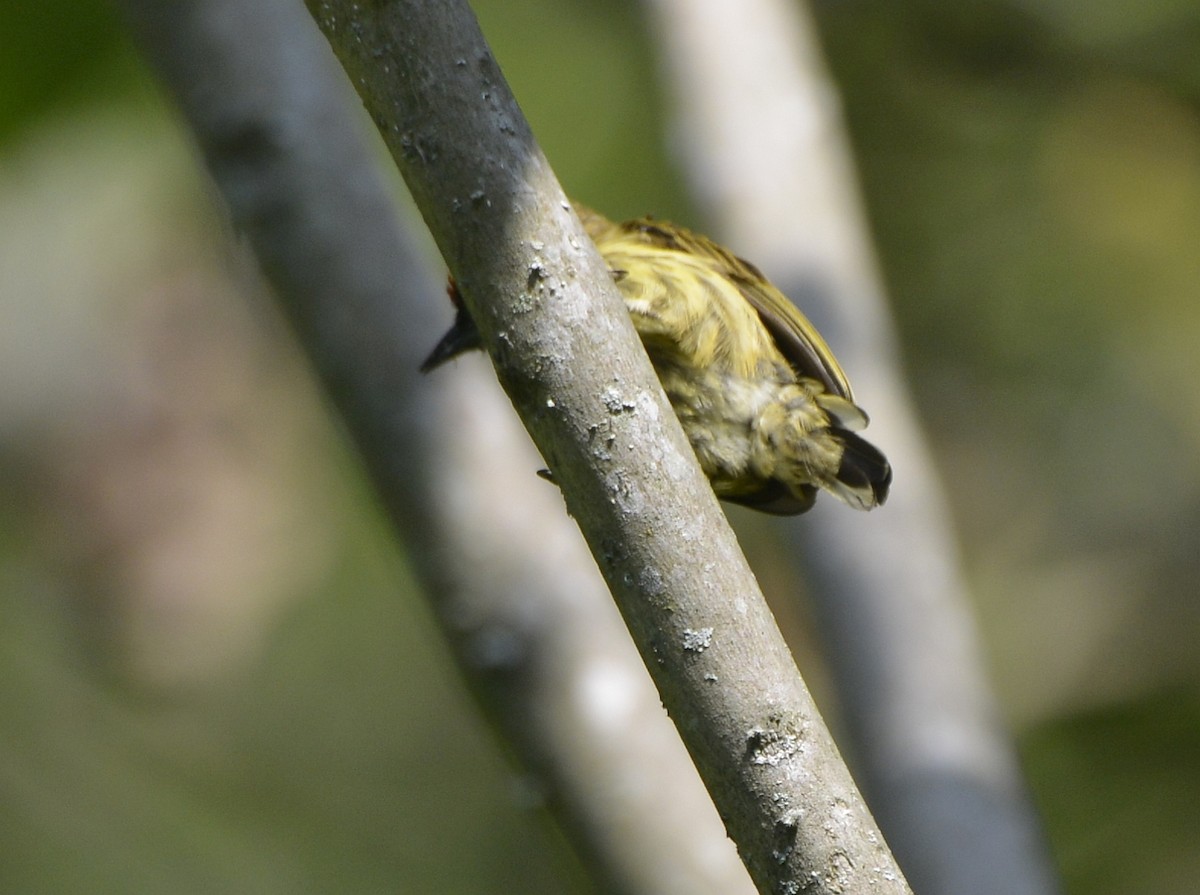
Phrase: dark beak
(462, 337)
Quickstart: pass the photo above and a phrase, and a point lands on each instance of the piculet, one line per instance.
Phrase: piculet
(761, 397)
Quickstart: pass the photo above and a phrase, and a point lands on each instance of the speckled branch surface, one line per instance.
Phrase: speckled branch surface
(567, 355)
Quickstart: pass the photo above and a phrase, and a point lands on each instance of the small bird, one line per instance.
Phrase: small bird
(762, 399)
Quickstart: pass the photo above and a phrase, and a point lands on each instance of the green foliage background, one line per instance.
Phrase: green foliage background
(1032, 172)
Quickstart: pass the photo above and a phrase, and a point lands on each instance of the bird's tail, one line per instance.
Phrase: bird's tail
(864, 475)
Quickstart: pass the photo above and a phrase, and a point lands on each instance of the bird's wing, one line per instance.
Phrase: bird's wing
(795, 336)
(797, 339)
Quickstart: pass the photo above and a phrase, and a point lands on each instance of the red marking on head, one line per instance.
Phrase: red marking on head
(455, 295)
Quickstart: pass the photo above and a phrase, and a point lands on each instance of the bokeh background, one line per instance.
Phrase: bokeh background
(207, 680)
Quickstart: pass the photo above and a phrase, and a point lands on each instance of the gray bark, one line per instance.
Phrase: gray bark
(574, 369)
(566, 353)
(530, 620)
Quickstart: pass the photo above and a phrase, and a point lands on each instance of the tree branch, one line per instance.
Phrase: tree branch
(567, 355)
(529, 618)
(585, 389)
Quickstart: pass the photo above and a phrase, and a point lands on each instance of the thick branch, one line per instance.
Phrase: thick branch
(770, 764)
(567, 355)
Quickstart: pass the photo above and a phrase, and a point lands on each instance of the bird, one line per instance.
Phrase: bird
(763, 401)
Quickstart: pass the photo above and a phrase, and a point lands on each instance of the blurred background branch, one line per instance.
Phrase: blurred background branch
(450, 140)
(759, 124)
(513, 584)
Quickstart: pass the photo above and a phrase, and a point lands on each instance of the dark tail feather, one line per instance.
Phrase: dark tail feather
(864, 476)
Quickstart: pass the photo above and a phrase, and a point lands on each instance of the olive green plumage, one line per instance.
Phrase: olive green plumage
(762, 399)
